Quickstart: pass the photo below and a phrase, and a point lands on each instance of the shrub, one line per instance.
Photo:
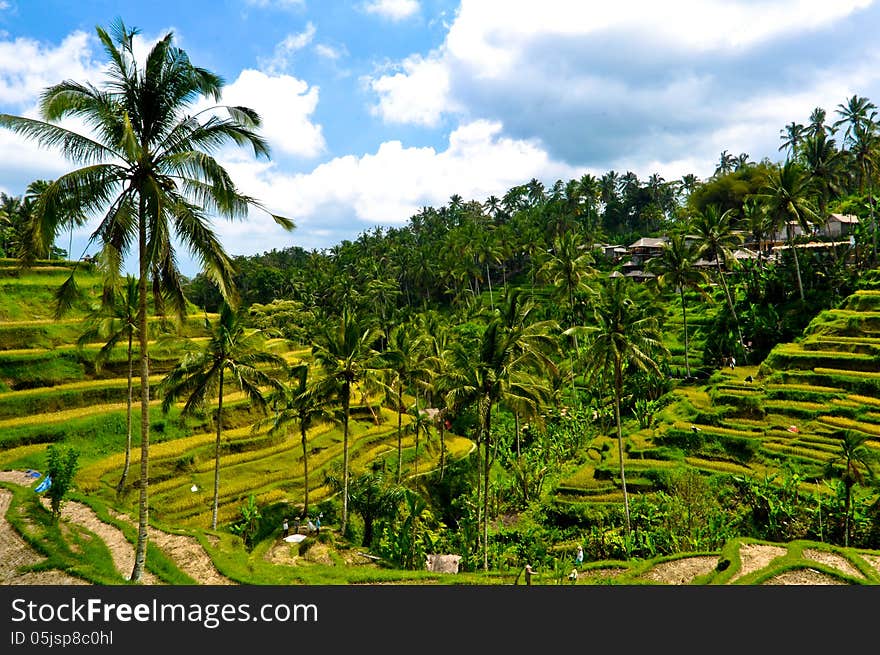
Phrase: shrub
(60, 469)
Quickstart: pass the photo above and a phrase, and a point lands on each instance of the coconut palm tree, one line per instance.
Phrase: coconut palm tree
(792, 135)
(403, 363)
(148, 173)
(500, 368)
(855, 457)
(856, 112)
(717, 238)
(823, 165)
(303, 401)
(231, 349)
(786, 199)
(115, 321)
(345, 352)
(726, 163)
(620, 336)
(675, 268)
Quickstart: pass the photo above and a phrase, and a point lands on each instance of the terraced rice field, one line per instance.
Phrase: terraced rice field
(51, 391)
(790, 410)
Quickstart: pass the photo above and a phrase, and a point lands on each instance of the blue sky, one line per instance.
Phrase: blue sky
(375, 108)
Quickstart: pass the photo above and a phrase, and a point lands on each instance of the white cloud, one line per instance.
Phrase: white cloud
(4, 5)
(418, 93)
(328, 52)
(638, 82)
(285, 104)
(284, 51)
(27, 67)
(385, 187)
(392, 9)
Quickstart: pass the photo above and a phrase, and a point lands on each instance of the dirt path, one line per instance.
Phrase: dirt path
(681, 571)
(16, 553)
(122, 550)
(186, 552)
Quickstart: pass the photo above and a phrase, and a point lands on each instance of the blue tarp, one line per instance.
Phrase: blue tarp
(45, 484)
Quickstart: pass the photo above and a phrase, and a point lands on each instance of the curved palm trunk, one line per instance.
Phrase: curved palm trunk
(684, 320)
(618, 392)
(416, 460)
(143, 509)
(442, 445)
(346, 401)
(797, 265)
(486, 445)
(302, 431)
(217, 454)
(517, 430)
(489, 282)
(399, 433)
(733, 311)
(122, 480)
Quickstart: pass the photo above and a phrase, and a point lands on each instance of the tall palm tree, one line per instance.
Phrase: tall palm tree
(822, 163)
(149, 174)
(567, 268)
(786, 199)
(714, 230)
(345, 351)
(675, 268)
(113, 321)
(231, 349)
(726, 163)
(500, 368)
(303, 401)
(403, 363)
(854, 456)
(792, 135)
(817, 123)
(434, 344)
(620, 336)
(864, 149)
(856, 112)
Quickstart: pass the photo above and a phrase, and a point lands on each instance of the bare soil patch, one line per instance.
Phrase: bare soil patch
(16, 553)
(681, 571)
(873, 560)
(803, 577)
(755, 557)
(122, 549)
(187, 553)
(833, 560)
(17, 477)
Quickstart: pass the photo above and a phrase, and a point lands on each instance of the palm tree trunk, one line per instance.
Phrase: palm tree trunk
(618, 392)
(489, 281)
(684, 319)
(346, 400)
(217, 453)
(302, 431)
(143, 509)
(399, 433)
(732, 310)
(516, 427)
(122, 480)
(442, 445)
(487, 422)
(846, 510)
(797, 265)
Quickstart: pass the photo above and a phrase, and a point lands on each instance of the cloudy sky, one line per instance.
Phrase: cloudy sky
(376, 108)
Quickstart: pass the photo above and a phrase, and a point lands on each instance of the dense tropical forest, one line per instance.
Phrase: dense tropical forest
(642, 367)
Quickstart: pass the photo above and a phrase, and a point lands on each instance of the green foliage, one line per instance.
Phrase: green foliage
(248, 524)
(61, 464)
